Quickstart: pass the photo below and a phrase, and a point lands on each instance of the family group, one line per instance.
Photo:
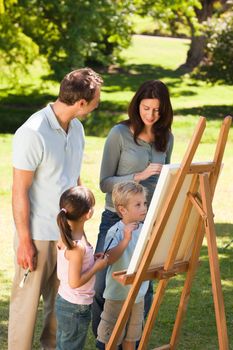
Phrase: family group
(51, 205)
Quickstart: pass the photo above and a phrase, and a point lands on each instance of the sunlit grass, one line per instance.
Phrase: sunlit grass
(224, 228)
(148, 58)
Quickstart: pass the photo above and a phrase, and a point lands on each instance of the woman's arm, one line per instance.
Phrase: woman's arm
(110, 160)
(170, 148)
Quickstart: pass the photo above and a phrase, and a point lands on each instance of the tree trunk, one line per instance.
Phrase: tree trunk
(195, 54)
(198, 43)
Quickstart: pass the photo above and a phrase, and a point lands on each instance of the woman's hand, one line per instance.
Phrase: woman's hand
(152, 169)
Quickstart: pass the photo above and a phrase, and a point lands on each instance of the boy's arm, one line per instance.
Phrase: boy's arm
(115, 253)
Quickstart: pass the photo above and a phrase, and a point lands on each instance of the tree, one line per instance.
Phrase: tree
(218, 63)
(16, 49)
(70, 33)
(193, 14)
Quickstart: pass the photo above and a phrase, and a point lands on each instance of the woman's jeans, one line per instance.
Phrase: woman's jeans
(109, 219)
(72, 324)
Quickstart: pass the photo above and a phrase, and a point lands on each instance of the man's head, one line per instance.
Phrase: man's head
(129, 199)
(82, 86)
(79, 84)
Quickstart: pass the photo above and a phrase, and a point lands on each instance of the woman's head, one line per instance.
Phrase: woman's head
(74, 204)
(152, 97)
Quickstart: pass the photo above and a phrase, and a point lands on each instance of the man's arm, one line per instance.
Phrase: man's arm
(26, 253)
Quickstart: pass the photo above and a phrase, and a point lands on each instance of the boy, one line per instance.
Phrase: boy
(129, 199)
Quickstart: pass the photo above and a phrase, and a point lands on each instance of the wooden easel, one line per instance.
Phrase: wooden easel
(199, 196)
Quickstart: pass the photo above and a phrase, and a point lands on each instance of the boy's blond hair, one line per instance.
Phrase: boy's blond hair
(123, 191)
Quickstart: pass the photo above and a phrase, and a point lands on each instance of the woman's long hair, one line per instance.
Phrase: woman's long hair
(74, 203)
(162, 128)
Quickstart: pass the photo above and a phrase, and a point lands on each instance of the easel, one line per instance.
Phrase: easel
(200, 196)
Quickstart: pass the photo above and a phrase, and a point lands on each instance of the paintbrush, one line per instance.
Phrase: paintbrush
(24, 278)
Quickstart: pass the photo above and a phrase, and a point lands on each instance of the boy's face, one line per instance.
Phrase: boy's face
(135, 210)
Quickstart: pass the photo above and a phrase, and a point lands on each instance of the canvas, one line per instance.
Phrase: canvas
(163, 188)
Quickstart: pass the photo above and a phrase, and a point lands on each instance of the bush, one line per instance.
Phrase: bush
(218, 64)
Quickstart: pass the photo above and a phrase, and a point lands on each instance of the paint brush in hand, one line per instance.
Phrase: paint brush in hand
(110, 242)
(24, 278)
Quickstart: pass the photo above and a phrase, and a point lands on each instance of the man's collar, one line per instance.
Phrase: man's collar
(52, 119)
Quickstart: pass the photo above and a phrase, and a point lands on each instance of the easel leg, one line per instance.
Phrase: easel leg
(187, 286)
(214, 264)
(153, 314)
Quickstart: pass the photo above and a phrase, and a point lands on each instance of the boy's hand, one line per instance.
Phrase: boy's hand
(101, 262)
(129, 228)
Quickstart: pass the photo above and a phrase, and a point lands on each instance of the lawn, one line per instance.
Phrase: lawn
(148, 58)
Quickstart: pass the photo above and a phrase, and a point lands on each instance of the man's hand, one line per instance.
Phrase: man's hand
(27, 255)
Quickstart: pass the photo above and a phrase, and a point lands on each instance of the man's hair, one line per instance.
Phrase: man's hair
(79, 84)
(123, 191)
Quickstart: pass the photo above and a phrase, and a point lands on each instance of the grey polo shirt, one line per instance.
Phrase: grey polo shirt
(42, 146)
(123, 158)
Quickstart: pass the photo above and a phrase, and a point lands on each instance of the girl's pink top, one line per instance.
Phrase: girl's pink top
(83, 294)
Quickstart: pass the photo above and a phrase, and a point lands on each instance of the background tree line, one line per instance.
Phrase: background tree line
(71, 34)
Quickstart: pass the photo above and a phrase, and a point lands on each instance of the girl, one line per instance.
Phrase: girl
(76, 267)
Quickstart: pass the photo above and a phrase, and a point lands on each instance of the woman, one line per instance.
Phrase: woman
(135, 149)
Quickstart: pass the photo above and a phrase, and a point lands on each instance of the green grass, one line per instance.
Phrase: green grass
(148, 58)
(199, 330)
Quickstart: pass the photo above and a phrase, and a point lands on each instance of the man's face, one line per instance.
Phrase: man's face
(85, 108)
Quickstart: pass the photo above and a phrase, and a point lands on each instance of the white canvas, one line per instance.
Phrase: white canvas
(164, 185)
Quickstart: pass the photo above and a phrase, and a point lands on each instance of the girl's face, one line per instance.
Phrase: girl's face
(149, 111)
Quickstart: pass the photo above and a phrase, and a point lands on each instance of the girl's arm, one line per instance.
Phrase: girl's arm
(76, 278)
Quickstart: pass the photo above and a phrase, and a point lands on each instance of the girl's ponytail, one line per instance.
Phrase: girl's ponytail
(74, 203)
(65, 229)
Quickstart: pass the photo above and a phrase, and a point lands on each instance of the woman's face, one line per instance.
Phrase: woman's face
(149, 111)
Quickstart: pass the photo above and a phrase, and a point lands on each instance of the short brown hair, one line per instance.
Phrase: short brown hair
(79, 84)
(123, 191)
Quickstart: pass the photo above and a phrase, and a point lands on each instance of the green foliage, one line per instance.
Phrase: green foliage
(219, 63)
(72, 33)
(16, 49)
(171, 17)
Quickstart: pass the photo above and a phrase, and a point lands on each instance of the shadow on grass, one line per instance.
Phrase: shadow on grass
(210, 112)
(4, 306)
(130, 77)
(16, 108)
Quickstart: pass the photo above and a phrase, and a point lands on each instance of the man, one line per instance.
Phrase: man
(47, 157)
